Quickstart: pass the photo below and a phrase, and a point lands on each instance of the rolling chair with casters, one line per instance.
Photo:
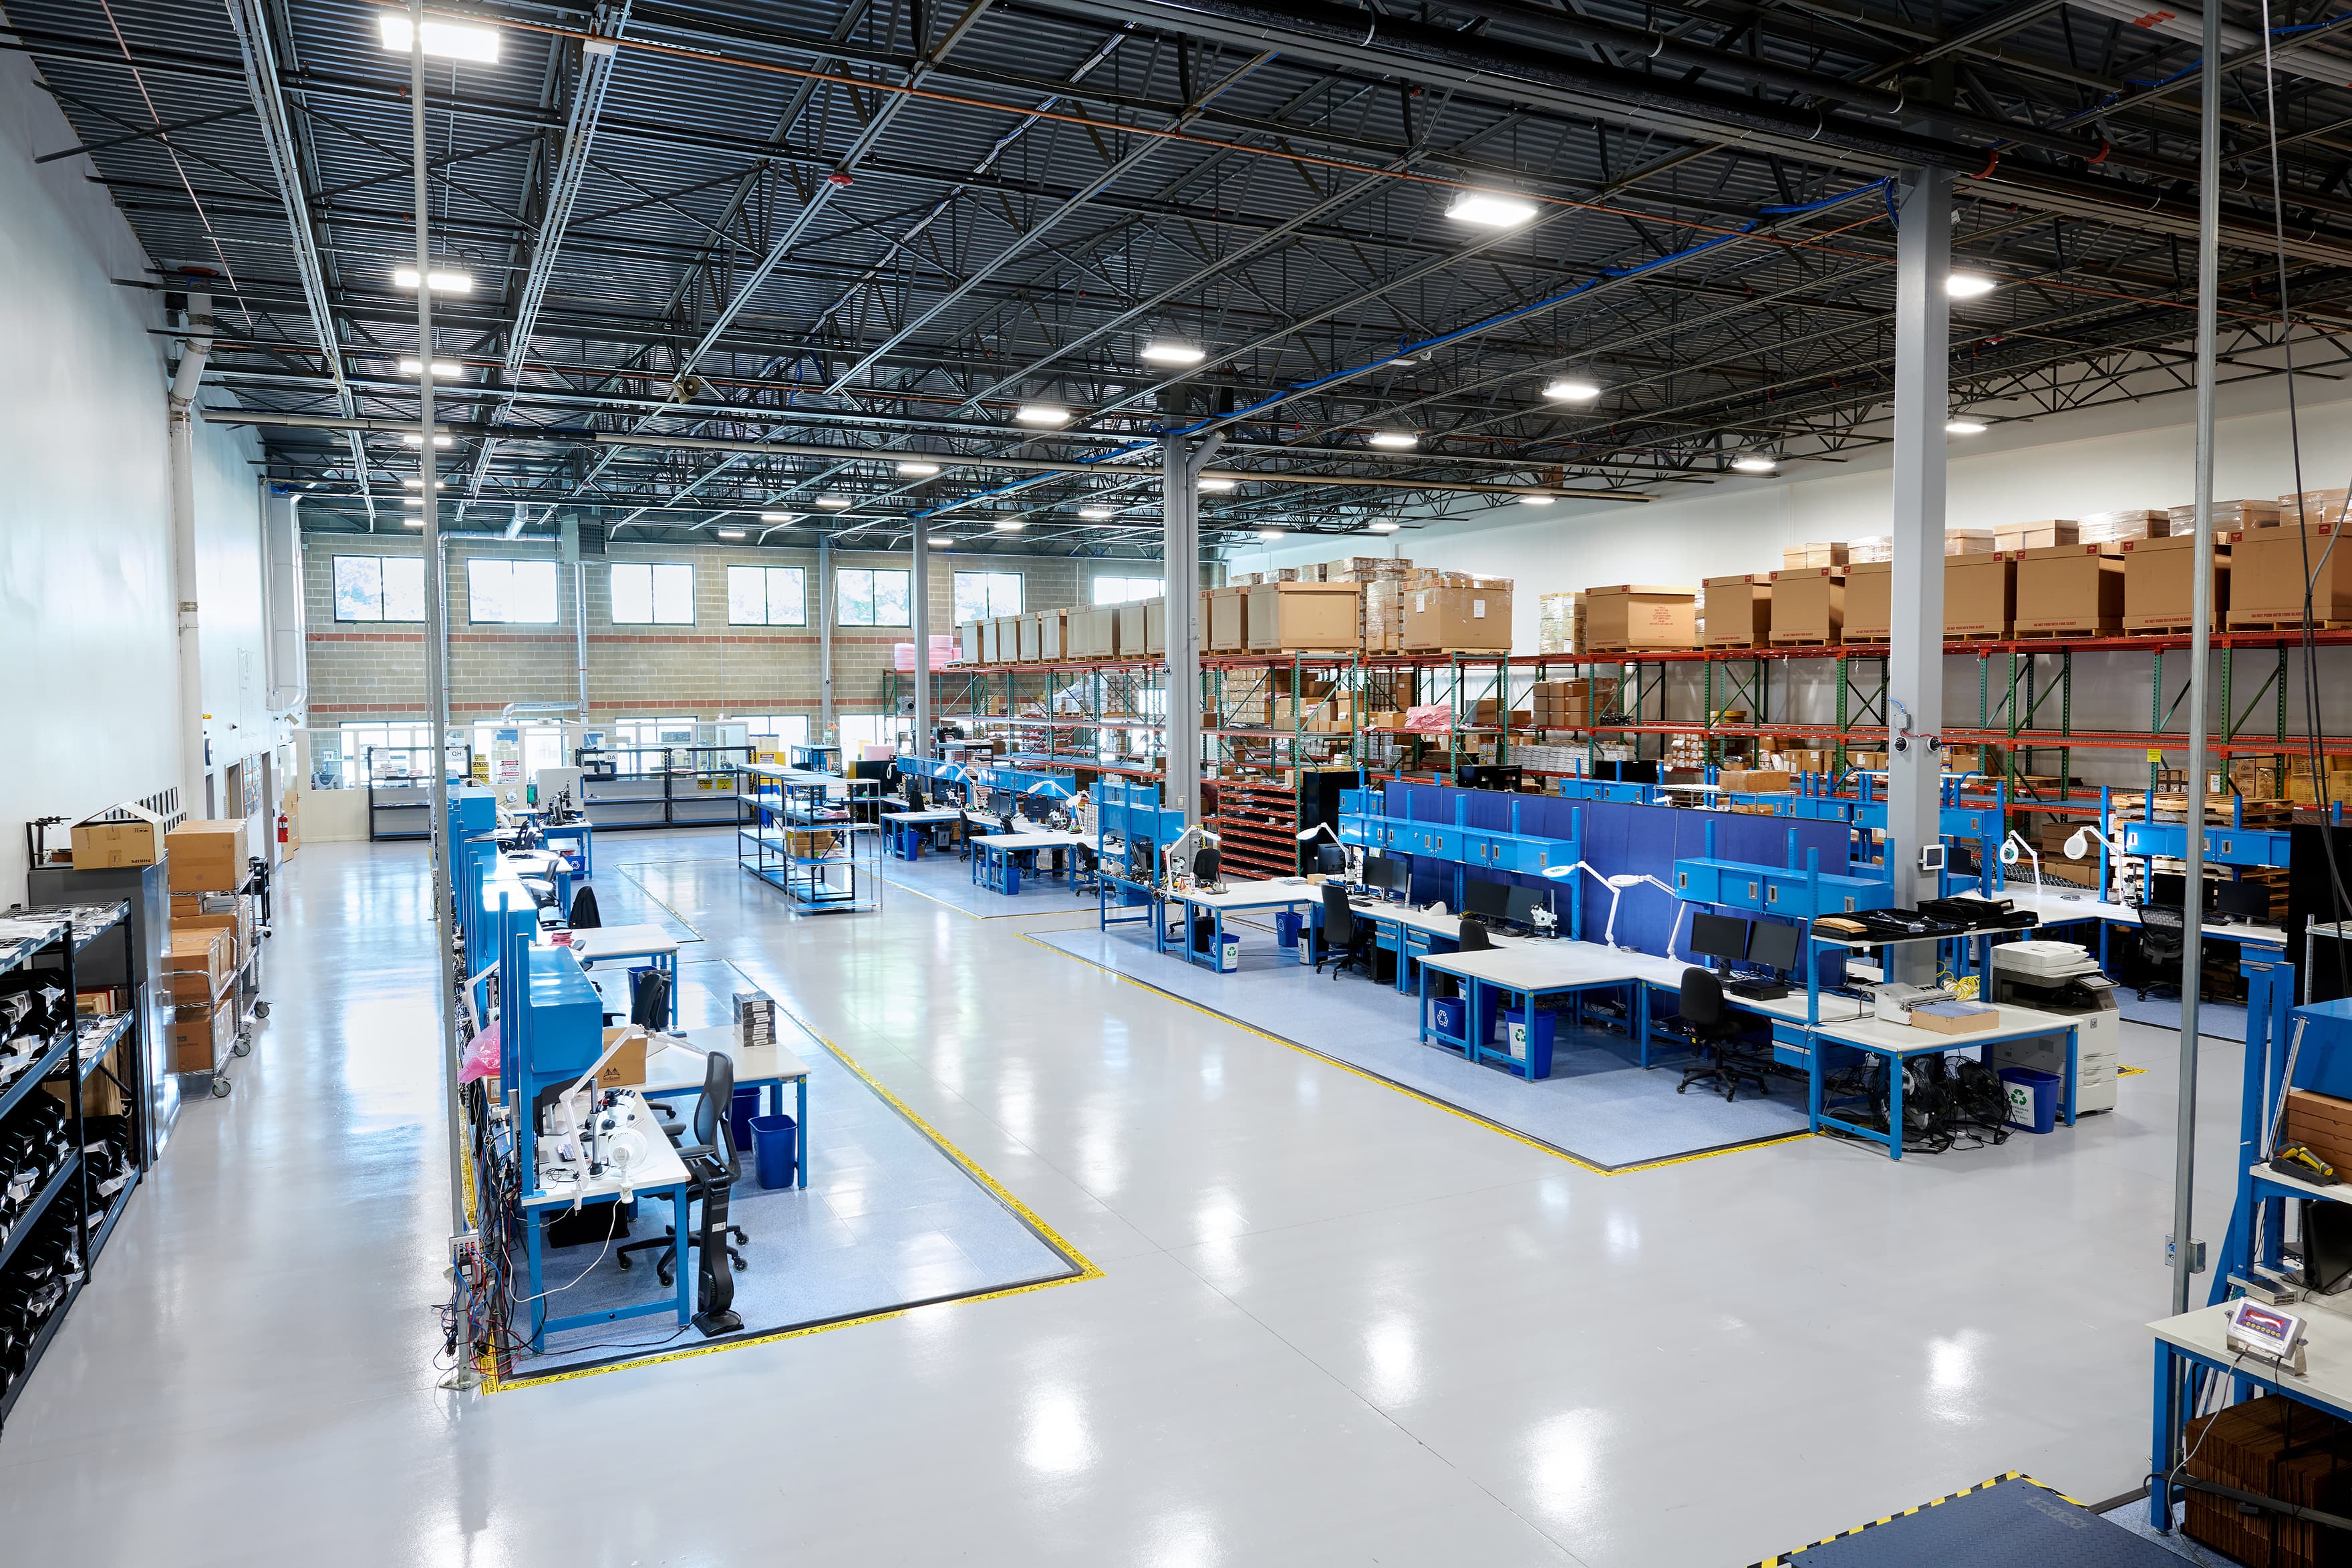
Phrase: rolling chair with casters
(1715, 1037)
(1207, 864)
(2162, 930)
(583, 915)
(1348, 941)
(712, 1167)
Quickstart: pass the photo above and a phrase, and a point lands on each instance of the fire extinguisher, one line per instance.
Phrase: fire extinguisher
(282, 826)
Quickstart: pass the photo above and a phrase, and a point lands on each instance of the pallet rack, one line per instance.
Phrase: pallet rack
(617, 790)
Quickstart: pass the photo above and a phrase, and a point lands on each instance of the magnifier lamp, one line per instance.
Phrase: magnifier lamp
(1171, 856)
(1354, 852)
(2009, 847)
(2079, 844)
(1617, 885)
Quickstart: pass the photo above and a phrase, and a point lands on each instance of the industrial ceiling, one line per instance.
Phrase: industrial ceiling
(732, 267)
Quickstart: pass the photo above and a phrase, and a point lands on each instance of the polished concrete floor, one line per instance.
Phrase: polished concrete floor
(1335, 1324)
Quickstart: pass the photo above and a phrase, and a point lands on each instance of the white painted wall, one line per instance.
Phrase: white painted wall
(85, 607)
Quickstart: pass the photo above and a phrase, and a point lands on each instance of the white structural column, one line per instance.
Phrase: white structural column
(1914, 665)
(823, 610)
(179, 402)
(918, 619)
(1180, 508)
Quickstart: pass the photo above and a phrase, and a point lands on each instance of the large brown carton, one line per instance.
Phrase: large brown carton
(207, 857)
(1808, 606)
(1979, 594)
(118, 836)
(2159, 575)
(1458, 620)
(2312, 507)
(2075, 589)
(1740, 610)
(1869, 596)
(202, 1034)
(2266, 575)
(1305, 616)
(2229, 516)
(1225, 614)
(199, 964)
(1638, 615)
(625, 1067)
(1811, 557)
(2046, 535)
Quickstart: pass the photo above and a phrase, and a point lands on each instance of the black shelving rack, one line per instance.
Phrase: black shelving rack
(47, 1226)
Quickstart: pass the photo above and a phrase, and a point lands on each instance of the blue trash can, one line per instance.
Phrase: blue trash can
(1529, 1042)
(1286, 928)
(1446, 1015)
(2032, 1098)
(739, 1115)
(776, 1150)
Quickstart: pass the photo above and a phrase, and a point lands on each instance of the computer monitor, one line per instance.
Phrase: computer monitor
(871, 770)
(1773, 946)
(1331, 860)
(1519, 906)
(1719, 936)
(2326, 1244)
(1000, 802)
(1491, 900)
(1386, 873)
(2242, 900)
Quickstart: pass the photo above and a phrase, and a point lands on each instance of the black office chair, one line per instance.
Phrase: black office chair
(1206, 864)
(583, 915)
(1347, 941)
(712, 1167)
(649, 1002)
(2162, 931)
(914, 796)
(1715, 1037)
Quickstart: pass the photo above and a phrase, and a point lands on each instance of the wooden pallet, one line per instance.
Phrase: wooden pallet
(1976, 636)
(2256, 623)
(2160, 628)
(1808, 643)
(2103, 629)
(1629, 651)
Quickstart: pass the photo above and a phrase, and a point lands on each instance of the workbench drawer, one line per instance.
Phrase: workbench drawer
(1792, 1045)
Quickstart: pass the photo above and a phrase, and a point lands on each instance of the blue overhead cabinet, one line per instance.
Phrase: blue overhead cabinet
(1128, 816)
(1798, 893)
(2223, 846)
(1618, 792)
(1362, 821)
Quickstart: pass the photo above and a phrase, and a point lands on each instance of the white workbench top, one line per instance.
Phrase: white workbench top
(1035, 839)
(676, 1066)
(2054, 907)
(656, 1165)
(1264, 893)
(617, 941)
(2327, 1348)
(2016, 1023)
(942, 815)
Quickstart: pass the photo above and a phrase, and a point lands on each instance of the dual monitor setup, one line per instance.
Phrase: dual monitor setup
(2239, 903)
(1491, 904)
(1761, 945)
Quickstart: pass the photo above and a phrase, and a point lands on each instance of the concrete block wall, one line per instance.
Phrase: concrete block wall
(362, 671)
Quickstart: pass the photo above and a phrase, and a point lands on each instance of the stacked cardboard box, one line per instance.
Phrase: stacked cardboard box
(2115, 528)
(1555, 622)
(1627, 617)
(2228, 517)
(2281, 1449)
(1802, 558)
(2070, 589)
(1381, 607)
(1869, 548)
(2266, 577)
(1808, 606)
(1756, 780)
(1572, 704)
(2311, 506)
(2160, 580)
(1979, 594)
(1869, 601)
(1968, 541)
(1455, 612)
(1741, 611)
(1304, 617)
(2043, 535)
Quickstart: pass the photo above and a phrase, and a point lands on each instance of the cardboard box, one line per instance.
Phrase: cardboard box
(207, 857)
(1466, 619)
(2311, 506)
(2266, 577)
(2115, 528)
(118, 836)
(2228, 517)
(1810, 557)
(1155, 626)
(1756, 780)
(2159, 577)
(2046, 535)
(1869, 594)
(968, 642)
(1133, 629)
(1970, 542)
(198, 964)
(1808, 606)
(626, 1066)
(2322, 1122)
(2071, 588)
(1029, 631)
(1052, 635)
(1640, 616)
(1964, 1023)
(202, 1034)
(1225, 612)
(1979, 595)
(1738, 609)
(1305, 616)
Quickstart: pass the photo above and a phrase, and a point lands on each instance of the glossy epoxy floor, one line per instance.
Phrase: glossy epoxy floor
(1335, 1325)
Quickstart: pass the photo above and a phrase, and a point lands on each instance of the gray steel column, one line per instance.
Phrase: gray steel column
(2201, 615)
(436, 634)
(824, 640)
(1181, 553)
(919, 616)
(1915, 670)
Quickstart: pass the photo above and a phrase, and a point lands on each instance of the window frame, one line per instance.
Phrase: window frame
(382, 597)
(1158, 586)
(872, 574)
(768, 593)
(992, 580)
(653, 571)
(511, 565)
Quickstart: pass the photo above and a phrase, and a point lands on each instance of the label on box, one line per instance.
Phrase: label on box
(1478, 610)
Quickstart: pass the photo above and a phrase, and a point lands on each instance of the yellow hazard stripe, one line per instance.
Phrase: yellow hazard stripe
(1787, 1558)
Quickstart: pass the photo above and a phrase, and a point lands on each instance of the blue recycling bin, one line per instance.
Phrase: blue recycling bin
(1450, 1012)
(1286, 928)
(2032, 1097)
(776, 1150)
(1529, 1040)
(739, 1115)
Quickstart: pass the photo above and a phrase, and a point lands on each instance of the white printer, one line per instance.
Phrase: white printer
(2061, 978)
